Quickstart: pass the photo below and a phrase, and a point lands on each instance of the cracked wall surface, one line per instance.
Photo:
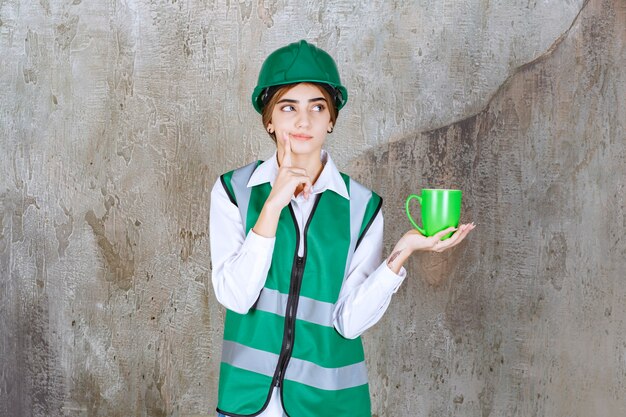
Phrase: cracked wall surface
(117, 117)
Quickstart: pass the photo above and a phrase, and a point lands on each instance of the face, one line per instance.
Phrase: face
(302, 113)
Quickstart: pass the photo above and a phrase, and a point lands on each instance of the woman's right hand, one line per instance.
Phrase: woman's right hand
(289, 181)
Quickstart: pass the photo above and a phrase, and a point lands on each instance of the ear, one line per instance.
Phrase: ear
(270, 128)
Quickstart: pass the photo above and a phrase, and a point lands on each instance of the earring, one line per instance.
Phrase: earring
(330, 130)
(270, 130)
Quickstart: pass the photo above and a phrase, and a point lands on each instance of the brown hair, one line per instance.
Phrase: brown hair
(266, 115)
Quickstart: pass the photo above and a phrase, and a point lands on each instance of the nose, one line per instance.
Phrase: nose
(303, 120)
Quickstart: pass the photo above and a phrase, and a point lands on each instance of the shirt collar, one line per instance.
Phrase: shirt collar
(329, 179)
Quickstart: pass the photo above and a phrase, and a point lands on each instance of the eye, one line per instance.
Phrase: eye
(287, 108)
(318, 107)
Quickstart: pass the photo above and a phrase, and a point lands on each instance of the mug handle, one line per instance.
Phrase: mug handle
(408, 212)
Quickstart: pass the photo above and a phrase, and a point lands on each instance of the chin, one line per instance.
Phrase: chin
(307, 147)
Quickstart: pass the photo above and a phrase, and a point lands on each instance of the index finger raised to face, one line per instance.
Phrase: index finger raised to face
(286, 161)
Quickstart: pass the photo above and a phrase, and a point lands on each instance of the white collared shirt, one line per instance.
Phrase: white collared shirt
(240, 263)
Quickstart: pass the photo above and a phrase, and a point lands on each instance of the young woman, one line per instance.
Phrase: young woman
(297, 256)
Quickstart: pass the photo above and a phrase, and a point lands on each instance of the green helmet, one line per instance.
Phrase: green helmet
(296, 63)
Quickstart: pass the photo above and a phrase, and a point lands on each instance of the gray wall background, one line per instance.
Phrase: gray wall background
(116, 117)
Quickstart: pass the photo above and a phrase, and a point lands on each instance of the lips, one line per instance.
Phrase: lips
(301, 136)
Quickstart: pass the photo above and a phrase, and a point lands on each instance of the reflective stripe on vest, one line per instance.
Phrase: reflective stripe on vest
(239, 182)
(313, 311)
(359, 197)
(299, 370)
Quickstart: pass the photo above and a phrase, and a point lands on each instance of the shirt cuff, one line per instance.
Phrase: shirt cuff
(258, 244)
(387, 279)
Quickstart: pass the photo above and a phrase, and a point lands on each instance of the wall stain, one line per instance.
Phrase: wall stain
(64, 231)
(119, 258)
(3, 242)
(123, 55)
(15, 206)
(30, 69)
(245, 10)
(266, 13)
(45, 4)
(66, 32)
(187, 49)
(86, 392)
(556, 257)
(35, 368)
(485, 398)
(189, 239)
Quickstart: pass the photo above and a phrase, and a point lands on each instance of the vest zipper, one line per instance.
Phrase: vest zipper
(295, 285)
(290, 319)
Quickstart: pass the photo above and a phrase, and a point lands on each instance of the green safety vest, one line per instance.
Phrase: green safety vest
(287, 338)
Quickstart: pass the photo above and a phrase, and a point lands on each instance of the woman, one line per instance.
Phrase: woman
(297, 249)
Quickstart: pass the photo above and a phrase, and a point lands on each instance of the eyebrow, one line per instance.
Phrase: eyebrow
(288, 100)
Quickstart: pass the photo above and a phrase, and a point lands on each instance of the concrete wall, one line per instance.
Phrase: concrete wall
(116, 118)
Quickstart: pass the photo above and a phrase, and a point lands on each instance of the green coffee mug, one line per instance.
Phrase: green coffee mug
(440, 209)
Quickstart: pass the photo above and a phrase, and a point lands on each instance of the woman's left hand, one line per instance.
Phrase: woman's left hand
(414, 241)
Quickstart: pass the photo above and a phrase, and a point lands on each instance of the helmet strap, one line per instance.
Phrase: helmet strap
(334, 93)
(267, 94)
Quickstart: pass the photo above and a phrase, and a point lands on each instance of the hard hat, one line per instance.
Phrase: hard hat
(296, 63)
